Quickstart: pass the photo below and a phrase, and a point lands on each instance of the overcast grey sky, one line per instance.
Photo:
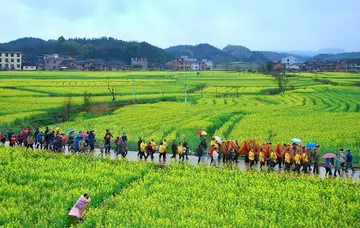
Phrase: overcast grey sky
(256, 24)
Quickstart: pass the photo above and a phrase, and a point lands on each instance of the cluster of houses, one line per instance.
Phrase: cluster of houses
(291, 63)
(186, 63)
(55, 62)
(16, 61)
(68, 63)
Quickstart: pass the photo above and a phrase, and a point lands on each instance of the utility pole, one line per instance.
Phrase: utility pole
(133, 92)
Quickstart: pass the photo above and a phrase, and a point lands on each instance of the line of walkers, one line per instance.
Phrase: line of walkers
(294, 156)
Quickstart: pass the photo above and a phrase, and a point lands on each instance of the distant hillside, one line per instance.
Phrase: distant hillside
(338, 57)
(244, 54)
(200, 51)
(97, 48)
(237, 51)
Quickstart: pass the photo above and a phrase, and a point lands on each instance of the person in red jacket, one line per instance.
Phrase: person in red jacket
(12, 140)
(211, 153)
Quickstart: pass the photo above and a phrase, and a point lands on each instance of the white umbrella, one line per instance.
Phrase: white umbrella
(296, 140)
(218, 139)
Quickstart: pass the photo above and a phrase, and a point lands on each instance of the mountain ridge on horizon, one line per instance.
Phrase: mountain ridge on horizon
(109, 48)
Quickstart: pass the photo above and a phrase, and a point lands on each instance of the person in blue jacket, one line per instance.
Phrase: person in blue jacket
(349, 159)
(39, 140)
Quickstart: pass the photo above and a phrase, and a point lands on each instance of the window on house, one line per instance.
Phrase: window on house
(47, 61)
(54, 61)
(18, 54)
(6, 65)
(12, 60)
(18, 66)
(18, 60)
(6, 54)
(7, 60)
(12, 54)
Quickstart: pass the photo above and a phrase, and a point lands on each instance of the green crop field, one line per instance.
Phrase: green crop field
(321, 107)
(38, 189)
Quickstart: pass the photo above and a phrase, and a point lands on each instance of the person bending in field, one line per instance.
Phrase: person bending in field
(251, 158)
(78, 210)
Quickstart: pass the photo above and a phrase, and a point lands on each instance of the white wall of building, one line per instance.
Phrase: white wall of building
(11, 60)
(29, 68)
(289, 60)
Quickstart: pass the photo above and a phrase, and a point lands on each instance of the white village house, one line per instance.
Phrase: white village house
(289, 60)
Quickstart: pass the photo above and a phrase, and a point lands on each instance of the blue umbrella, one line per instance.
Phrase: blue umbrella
(311, 145)
(70, 130)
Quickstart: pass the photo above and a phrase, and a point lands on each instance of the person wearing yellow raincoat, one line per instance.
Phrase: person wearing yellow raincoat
(180, 150)
(164, 142)
(251, 158)
(297, 160)
(162, 152)
(262, 158)
(142, 149)
(304, 160)
(287, 160)
(153, 144)
(213, 142)
(273, 158)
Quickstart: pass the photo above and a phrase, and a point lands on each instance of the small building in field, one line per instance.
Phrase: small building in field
(29, 68)
(295, 67)
(11, 60)
(350, 65)
(277, 66)
(179, 64)
(53, 62)
(289, 60)
(139, 62)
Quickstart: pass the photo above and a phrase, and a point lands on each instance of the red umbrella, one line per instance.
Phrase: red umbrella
(200, 133)
(83, 134)
(25, 129)
(329, 155)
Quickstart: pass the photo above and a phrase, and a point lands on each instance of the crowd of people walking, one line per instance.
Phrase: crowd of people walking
(290, 157)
